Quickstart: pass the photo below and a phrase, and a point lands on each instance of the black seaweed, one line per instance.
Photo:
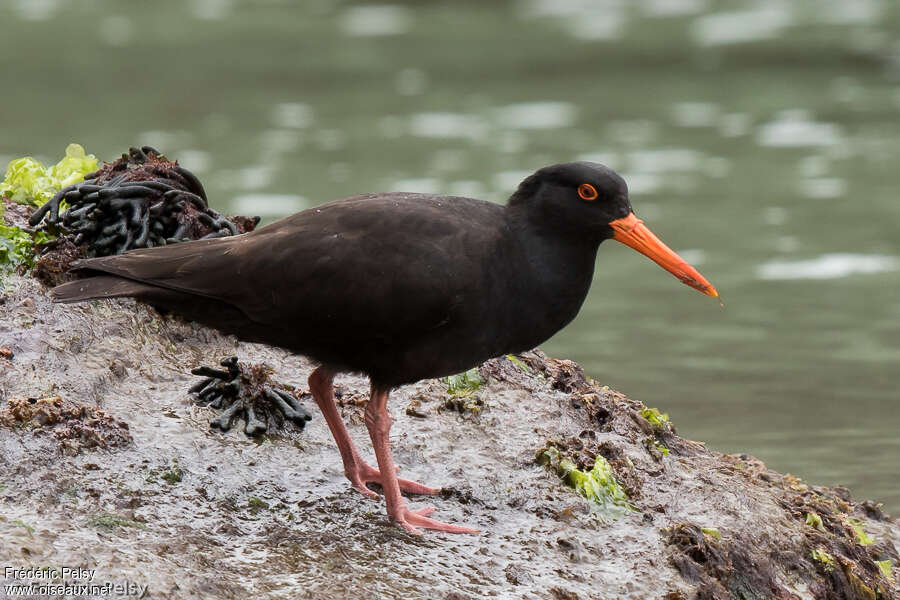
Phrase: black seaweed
(141, 200)
(245, 392)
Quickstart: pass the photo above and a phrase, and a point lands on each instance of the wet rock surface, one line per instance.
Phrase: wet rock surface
(194, 512)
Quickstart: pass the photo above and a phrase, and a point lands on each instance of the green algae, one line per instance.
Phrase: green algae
(256, 504)
(28, 181)
(173, 475)
(599, 485)
(26, 526)
(112, 521)
(886, 567)
(518, 363)
(823, 557)
(657, 419)
(862, 538)
(814, 520)
(464, 384)
(17, 246)
(659, 422)
(712, 532)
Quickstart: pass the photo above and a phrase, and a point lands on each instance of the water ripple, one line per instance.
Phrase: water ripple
(827, 266)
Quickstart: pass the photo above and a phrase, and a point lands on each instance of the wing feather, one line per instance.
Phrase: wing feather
(395, 263)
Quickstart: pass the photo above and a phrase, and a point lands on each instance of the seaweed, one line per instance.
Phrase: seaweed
(17, 247)
(821, 556)
(464, 384)
(141, 200)
(245, 392)
(27, 181)
(518, 363)
(24, 525)
(54, 259)
(657, 419)
(862, 538)
(256, 504)
(723, 568)
(814, 520)
(598, 484)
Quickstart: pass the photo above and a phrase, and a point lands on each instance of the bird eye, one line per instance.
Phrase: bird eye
(587, 191)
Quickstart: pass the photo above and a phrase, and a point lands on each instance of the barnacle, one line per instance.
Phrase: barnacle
(141, 200)
(246, 392)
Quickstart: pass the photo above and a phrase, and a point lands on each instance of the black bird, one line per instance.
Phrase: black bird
(398, 286)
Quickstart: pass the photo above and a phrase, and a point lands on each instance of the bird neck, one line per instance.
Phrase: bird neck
(559, 268)
(563, 252)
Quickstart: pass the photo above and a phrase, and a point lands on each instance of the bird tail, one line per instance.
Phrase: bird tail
(101, 286)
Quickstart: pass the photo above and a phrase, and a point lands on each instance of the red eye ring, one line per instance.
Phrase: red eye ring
(587, 192)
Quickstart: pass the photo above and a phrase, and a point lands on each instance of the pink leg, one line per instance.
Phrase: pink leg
(355, 468)
(378, 422)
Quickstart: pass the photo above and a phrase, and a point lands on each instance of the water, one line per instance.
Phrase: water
(759, 137)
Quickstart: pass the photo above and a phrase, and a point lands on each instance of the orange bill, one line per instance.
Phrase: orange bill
(632, 232)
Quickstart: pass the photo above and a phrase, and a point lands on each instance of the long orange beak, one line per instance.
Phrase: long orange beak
(632, 232)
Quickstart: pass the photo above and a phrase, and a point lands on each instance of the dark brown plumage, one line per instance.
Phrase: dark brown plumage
(398, 286)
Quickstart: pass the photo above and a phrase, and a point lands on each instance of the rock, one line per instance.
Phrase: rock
(192, 512)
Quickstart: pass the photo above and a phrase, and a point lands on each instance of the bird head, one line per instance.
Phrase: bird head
(590, 201)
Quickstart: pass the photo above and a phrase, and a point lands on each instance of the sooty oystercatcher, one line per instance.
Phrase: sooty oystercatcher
(398, 286)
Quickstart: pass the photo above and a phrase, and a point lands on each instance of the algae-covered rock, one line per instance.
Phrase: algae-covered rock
(196, 513)
(51, 216)
(76, 427)
(597, 484)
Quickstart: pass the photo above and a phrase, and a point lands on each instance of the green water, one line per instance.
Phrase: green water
(760, 138)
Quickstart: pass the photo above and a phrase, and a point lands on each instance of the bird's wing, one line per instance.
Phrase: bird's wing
(394, 262)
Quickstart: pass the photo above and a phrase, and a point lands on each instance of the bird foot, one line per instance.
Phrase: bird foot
(363, 473)
(413, 520)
